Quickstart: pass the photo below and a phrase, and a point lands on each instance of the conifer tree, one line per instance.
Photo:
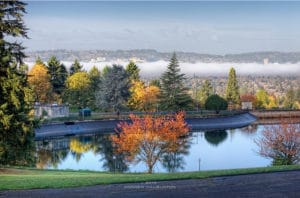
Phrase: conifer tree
(232, 89)
(16, 101)
(174, 94)
(133, 71)
(59, 74)
(95, 77)
(75, 67)
(205, 91)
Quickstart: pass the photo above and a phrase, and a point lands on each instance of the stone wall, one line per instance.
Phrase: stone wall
(51, 110)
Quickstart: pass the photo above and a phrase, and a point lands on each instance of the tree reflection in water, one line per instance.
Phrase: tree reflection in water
(174, 161)
(111, 161)
(50, 153)
(81, 145)
(215, 137)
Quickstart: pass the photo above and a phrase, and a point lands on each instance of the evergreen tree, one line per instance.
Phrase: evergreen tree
(114, 90)
(95, 77)
(59, 74)
(39, 61)
(155, 82)
(75, 67)
(16, 101)
(232, 89)
(205, 91)
(133, 71)
(174, 94)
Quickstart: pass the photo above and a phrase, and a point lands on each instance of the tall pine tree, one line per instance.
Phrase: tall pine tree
(205, 91)
(75, 67)
(133, 71)
(16, 101)
(232, 89)
(174, 94)
(59, 74)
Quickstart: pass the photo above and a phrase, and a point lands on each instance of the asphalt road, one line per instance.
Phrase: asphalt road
(279, 184)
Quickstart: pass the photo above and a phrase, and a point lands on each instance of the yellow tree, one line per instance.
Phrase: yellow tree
(150, 99)
(78, 86)
(143, 98)
(146, 139)
(39, 80)
(136, 95)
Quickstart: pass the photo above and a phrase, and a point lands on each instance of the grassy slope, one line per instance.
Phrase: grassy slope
(24, 178)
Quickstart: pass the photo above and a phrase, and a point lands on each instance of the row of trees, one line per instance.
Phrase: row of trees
(116, 88)
(113, 89)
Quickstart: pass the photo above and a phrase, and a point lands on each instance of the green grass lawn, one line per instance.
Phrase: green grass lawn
(26, 178)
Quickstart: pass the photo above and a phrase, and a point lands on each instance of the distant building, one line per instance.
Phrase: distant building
(266, 61)
(51, 110)
(247, 106)
(247, 101)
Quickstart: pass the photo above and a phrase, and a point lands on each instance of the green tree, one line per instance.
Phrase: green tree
(133, 70)
(174, 94)
(155, 82)
(232, 89)
(114, 90)
(75, 67)
(58, 74)
(95, 77)
(216, 102)
(262, 99)
(16, 99)
(205, 91)
(290, 99)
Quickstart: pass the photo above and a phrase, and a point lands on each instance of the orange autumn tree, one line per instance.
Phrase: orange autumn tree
(281, 143)
(147, 138)
(39, 80)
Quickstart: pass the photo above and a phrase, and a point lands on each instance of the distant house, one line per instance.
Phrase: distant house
(51, 110)
(247, 101)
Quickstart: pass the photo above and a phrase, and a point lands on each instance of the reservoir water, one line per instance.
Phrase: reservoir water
(211, 150)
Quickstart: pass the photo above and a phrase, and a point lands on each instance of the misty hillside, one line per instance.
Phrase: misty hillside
(153, 55)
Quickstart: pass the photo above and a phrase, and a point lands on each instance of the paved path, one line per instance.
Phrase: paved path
(108, 126)
(273, 185)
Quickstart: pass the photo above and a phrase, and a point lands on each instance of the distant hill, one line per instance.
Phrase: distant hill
(148, 55)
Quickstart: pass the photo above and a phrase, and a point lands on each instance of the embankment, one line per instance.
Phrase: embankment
(276, 116)
(108, 126)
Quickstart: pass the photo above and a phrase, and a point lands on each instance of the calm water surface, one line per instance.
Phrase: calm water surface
(205, 151)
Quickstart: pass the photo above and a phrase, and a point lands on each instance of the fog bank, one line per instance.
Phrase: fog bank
(151, 69)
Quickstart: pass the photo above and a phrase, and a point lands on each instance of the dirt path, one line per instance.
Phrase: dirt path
(280, 184)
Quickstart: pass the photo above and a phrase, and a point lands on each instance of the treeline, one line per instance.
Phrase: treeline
(116, 88)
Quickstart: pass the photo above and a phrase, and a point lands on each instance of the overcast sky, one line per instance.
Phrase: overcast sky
(204, 27)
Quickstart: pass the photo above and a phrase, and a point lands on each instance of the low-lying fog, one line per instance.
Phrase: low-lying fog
(203, 69)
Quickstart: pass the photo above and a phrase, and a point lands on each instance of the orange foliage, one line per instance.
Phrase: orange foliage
(39, 80)
(281, 143)
(148, 138)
